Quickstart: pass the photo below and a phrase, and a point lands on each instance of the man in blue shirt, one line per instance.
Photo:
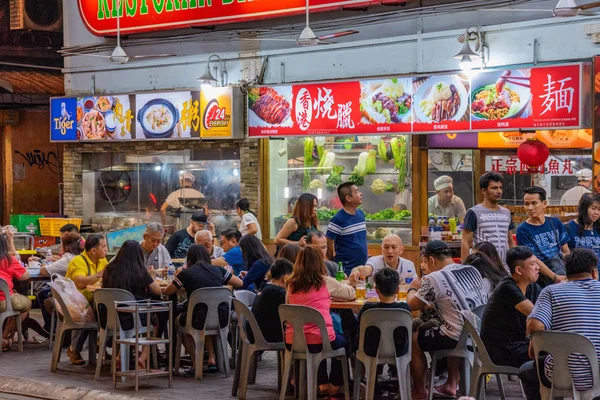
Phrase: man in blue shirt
(546, 237)
(347, 230)
(233, 254)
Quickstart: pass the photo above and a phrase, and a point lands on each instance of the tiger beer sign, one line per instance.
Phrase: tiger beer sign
(137, 16)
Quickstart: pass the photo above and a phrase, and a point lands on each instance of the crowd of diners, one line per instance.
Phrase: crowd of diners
(549, 281)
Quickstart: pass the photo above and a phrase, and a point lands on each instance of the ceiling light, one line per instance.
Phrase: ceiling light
(207, 79)
(467, 53)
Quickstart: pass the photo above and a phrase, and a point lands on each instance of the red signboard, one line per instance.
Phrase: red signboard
(545, 98)
(136, 16)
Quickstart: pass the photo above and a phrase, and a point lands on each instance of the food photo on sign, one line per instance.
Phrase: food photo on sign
(386, 101)
(270, 107)
(441, 103)
(168, 115)
(104, 118)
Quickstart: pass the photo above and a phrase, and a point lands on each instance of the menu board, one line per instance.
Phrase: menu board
(147, 116)
(554, 139)
(532, 98)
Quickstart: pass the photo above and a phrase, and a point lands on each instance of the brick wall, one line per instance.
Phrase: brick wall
(73, 168)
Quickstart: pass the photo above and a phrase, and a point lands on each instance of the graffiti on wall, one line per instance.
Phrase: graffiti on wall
(40, 159)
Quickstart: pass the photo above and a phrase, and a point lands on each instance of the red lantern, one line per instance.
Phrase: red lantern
(533, 152)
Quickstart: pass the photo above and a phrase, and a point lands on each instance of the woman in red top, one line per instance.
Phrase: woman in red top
(306, 287)
(11, 268)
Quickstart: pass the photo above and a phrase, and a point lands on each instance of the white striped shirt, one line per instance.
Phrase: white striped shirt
(572, 307)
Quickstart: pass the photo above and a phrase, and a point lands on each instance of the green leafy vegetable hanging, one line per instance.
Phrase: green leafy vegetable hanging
(361, 165)
(309, 143)
(371, 167)
(335, 178)
(356, 179)
(382, 149)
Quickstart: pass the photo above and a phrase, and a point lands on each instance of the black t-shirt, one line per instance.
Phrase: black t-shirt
(502, 323)
(372, 334)
(179, 243)
(266, 311)
(200, 276)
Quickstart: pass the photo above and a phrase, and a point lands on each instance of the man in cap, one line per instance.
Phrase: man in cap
(573, 195)
(182, 240)
(186, 180)
(445, 202)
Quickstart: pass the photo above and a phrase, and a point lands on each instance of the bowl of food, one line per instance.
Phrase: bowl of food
(498, 96)
(158, 118)
(104, 103)
(110, 120)
(441, 98)
(93, 125)
(88, 104)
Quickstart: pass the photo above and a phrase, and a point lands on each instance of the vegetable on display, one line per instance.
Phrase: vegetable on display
(388, 214)
(378, 186)
(356, 178)
(382, 150)
(399, 152)
(371, 167)
(316, 184)
(309, 143)
(335, 178)
(361, 165)
(326, 162)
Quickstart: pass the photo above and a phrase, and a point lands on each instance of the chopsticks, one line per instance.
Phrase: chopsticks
(516, 80)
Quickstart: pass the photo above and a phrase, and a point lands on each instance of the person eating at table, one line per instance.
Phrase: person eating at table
(200, 274)
(128, 271)
(306, 287)
(233, 258)
(258, 261)
(179, 243)
(391, 251)
(11, 268)
(289, 252)
(84, 270)
(156, 255)
(318, 239)
(205, 238)
(451, 288)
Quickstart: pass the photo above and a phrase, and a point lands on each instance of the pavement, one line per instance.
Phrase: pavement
(27, 375)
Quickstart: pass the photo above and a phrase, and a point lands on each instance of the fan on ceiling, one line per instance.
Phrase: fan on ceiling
(307, 37)
(114, 186)
(118, 55)
(564, 9)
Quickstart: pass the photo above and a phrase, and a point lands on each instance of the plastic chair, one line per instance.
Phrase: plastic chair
(298, 317)
(387, 320)
(212, 297)
(479, 312)
(65, 323)
(561, 345)
(107, 298)
(247, 297)
(9, 312)
(248, 350)
(482, 363)
(461, 351)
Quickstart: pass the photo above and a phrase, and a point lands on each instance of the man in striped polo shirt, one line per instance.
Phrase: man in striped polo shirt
(488, 221)
(347, 230)
(573, 306)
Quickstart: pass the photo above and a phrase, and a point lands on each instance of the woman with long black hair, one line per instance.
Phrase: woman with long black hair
(128, 271)
(257, 260)
(249, 224)
(585, 230)
(490, 273)
(490, 251)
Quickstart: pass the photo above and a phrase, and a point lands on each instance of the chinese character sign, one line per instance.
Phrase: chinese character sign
(556, 96)
(104, 118)
(173, 115)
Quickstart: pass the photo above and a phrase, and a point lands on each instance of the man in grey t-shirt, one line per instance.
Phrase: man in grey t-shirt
(488, 222)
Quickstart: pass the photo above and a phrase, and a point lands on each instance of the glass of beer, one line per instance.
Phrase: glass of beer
(361, 291)
(402, 289)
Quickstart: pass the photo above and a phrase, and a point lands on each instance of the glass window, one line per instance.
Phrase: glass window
(456, 164)
(291, 174)
(121, 189)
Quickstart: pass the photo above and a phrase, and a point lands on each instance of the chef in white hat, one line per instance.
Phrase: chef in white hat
(573, 195)
(186, 180)
(445, 203)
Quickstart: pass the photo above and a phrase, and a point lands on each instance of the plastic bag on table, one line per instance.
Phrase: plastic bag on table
(77, 305)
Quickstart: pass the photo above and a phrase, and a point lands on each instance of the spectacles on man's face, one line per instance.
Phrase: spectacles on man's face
(153, 240)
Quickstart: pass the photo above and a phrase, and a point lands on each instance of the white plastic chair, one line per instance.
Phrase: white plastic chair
(387, 321)
(65, 323)
(298, 317)
(561, 345)
(482, 363)
(9, 312)
(247, 297)
(212, 297)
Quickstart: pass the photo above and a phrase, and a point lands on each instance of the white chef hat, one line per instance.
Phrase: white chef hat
(442, 182)
(187, 175)
(584, 174)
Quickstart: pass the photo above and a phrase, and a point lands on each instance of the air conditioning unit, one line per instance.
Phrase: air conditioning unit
(36, 15)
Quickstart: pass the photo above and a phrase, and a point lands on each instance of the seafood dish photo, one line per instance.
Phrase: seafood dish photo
(269, 106)
(386, 104)
(93, 125)
(441, 99)
(508, 97)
